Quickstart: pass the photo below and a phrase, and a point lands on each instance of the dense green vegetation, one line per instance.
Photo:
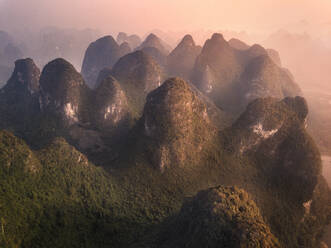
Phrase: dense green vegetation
(54, 197)
(172, 176)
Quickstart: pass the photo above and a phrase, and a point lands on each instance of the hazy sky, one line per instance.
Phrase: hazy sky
(142, 15)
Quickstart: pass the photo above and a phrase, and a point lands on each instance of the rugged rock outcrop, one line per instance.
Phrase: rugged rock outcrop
(153, 41)
(233, 77)
(262, 78)
(138, 74)
(274, 55)
(181, 60)
(125, 48)
(133, 40)
(274, 132)
(238, 44)
(64, 93)
(157, 55)
(25, 77)
(219, 61)
(19, 97)
(103, 74)
(255, 51)
(176, 124)
(222, 216)
(100, 54)
(111, 106)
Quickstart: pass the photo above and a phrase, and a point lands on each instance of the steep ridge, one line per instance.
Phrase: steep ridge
(138, 74)
(111, 106)
(219, 59)
(181, 60)
(273, 134)
(100, 54)
(233, 77)
(176, 124)
(133, 40)
(64, 93)
(153, 41)
(262, 78)
(238, 44)
(19, 98)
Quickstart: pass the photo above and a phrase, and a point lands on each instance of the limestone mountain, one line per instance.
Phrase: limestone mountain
(111, 106)
(233, 77)
(238, 44)
(172, 168)
(138, 74)
(276, 131)
(273, 133)
(125, 48)
(262, 77)
(274, 55)
(255, 50)
(63, 92)
(100, 54)
(153, 41)
(181, 60)
(222, 215)
(217, 60)
(157, 55)
(20, 96)
(246, 199)
(176, 124)
(133, 40)
(103, 74)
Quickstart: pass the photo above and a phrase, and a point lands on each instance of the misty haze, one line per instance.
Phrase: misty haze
(165, 124)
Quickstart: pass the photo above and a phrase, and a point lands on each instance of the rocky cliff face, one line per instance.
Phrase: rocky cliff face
(100, 54)
(153, 41)
(238, 44)
(219, 58)
(63, 92)
(181, 60)
(274, 55)
(25, 77)
(111, 106)
(19, 97)
(159, 57)
(133, 40)
(176, 124)
(262, 77)
(274, 131)
(138, 74)
(235, 75)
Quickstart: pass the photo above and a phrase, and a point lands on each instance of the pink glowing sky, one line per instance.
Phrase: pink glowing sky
(139, 16)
